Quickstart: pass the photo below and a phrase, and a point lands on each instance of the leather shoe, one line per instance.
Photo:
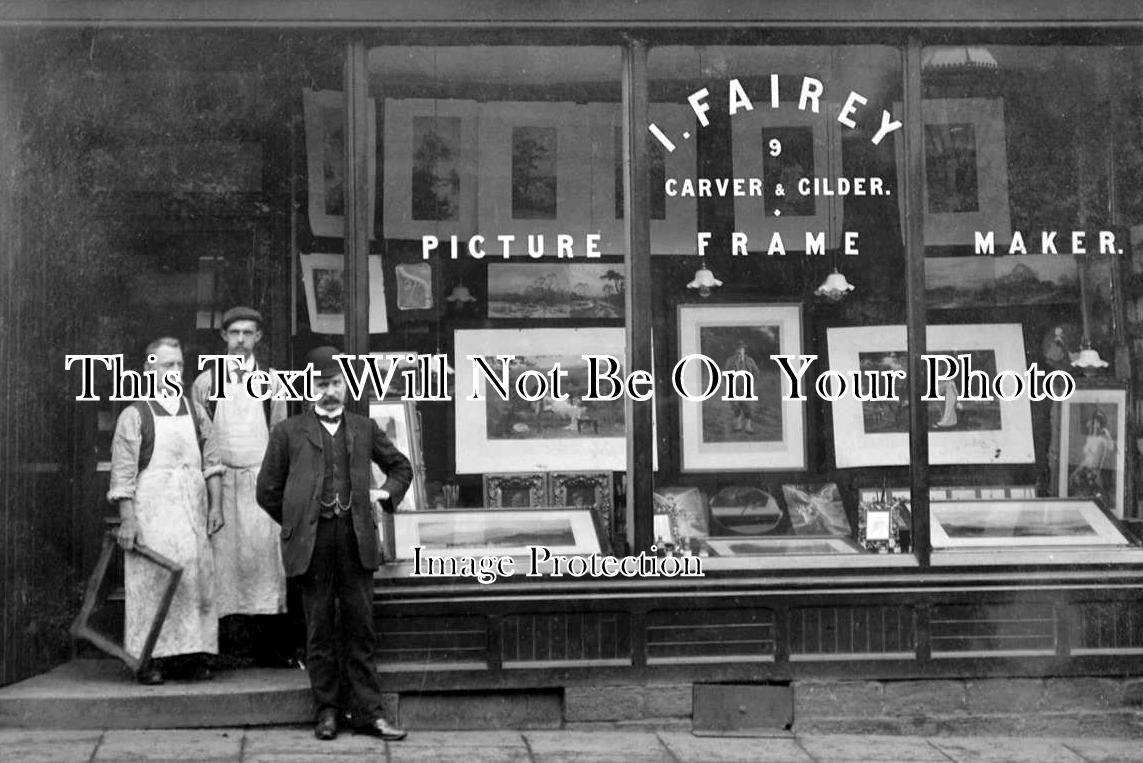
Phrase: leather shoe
(326, 727)
(379, 727)
(150, 677)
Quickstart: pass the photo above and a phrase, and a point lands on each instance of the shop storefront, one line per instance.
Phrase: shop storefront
(862, 192)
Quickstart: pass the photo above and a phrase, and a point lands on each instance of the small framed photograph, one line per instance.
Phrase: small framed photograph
(966, 170)
(583, 490)
(767, 433)
(414, 286)
(500, 533)
(401, 423)
(1093, 448)
(516, 491)
(324, 113)
(98, 589)
(324, 280)
(430, 167)
(878, 526)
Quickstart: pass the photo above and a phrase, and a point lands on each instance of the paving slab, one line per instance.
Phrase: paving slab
(342, 757)
(836, 748)
(1004, 750)
(48, 752)
(560, 746)
(171, 744)
(301, 741)
(399, 752)
(1106, 750)
(468, 739)
(686, 748)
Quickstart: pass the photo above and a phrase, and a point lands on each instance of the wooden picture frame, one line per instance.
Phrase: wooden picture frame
(401, 422)
(718, 435)
(430, 172)
(324, 116)
(495, 435)
(578, 490)
(97, 593)
(781, 546)
(810, 147)
(323, 281)
(495, 533)
(674, 219)
(535, 170)
(966, 167)
(527, 490)
(1093, 441)
(1006, 524)
(877, 434)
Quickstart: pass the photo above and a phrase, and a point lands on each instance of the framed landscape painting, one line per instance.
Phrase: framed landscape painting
(324, 112)
(324, 281)
(991, 524)
(499, 533)
(721, 435)
(496, 435)
(960, 431)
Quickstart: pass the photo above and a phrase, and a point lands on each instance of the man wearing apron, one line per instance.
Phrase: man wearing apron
(249, 578)
(160, 479)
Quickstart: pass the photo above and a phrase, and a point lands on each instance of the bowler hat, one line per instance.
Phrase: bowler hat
(241, 313)
(322, 360)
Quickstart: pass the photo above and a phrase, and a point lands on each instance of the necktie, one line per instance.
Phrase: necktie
(331, 420)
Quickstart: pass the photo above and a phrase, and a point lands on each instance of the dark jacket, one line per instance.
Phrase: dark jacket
(289, 484)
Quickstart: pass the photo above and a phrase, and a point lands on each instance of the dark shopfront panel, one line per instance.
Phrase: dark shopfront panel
(162, 174)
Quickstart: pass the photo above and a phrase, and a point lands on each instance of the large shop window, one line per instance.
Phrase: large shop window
(1030, 187)
(501, 223)
(799, 195)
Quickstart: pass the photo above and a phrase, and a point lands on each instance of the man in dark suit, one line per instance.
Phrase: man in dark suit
(314, 482)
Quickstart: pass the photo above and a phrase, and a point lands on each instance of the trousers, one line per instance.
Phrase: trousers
(337, 597)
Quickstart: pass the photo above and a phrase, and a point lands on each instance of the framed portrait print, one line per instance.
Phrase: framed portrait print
(1093, 448)
(498, 435)
(1043, 522)
(516, 491)
(323, 279)
(324, 113)
(674, 219)
(722, 435)
(430, 167)
(960, 431)
(781, 147)
(98, 588)
(966, 170)
(535, 169)
(583, 490)
(502, 533)
(401, 423)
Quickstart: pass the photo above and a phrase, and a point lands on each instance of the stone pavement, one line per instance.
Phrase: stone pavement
(296, 744)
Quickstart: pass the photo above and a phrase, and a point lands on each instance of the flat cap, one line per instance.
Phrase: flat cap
(241, 313)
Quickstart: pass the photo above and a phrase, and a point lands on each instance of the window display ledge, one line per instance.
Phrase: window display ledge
(809, 561)
(1038, 556)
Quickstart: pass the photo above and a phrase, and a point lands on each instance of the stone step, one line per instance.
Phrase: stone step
(100, 693)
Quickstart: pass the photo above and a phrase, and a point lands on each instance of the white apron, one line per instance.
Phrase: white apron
(170, 508)
(249, 577)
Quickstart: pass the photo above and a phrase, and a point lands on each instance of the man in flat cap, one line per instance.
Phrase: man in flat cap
(315, 482)
(249, 578)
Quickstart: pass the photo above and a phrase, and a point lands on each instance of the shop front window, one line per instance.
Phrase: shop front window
(1029, 153)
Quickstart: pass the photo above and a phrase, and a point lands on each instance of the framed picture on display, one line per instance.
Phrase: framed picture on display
(724, 435)
(516, 491)
(961, 431)
(583, 490)
(1038, 522)
(495, 435)
(430, 167)
(535, 170)
(324, 114)
(1093, 448)
(499, 533)
(401, 423)
(674, 218)
(324, 280)
(539, 291)
(98, 591)
(781, 147)
(966, 170)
